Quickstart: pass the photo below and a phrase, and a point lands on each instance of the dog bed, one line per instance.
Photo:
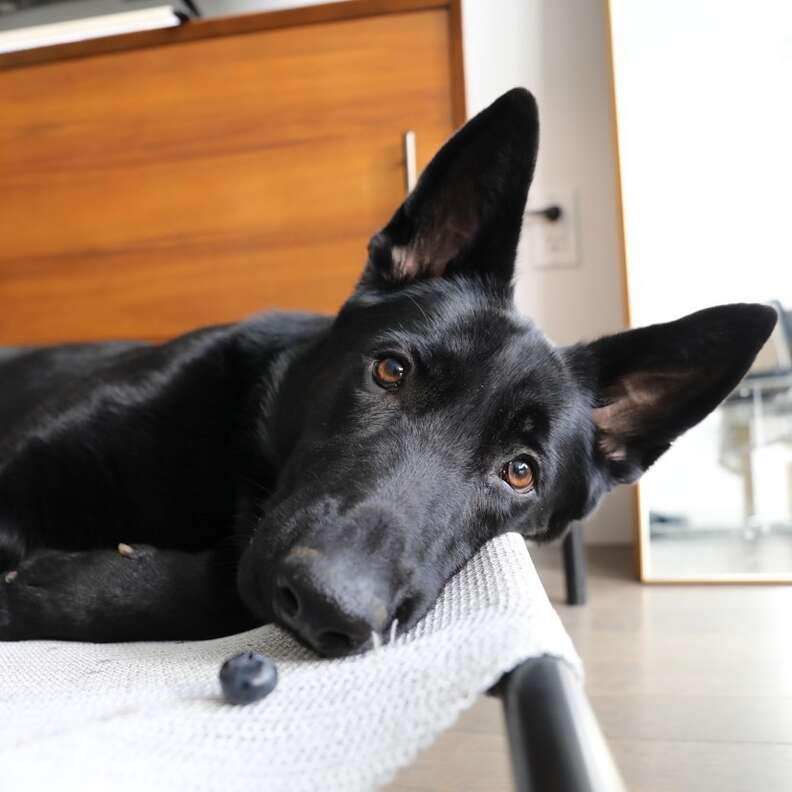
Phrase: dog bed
(148, 716)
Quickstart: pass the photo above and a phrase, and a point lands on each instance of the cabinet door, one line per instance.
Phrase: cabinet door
(148, 191)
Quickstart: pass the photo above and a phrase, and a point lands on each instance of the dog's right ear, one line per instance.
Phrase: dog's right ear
(465, 213)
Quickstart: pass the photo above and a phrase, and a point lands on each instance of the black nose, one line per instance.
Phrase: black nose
(334, 604)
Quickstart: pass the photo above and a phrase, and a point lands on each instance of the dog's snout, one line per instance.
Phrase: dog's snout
(334, 604)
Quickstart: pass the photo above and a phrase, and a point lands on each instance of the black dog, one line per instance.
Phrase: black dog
(332, 473)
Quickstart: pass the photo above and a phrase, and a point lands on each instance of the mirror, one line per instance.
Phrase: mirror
(705, 151)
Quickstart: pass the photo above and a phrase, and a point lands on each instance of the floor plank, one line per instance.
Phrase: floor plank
(658, 766)
(692, 687)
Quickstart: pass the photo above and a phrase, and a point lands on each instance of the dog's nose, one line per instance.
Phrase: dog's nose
(333, 604)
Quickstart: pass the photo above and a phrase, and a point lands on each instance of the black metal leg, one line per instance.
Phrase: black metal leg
(555, 741)
(575, 566)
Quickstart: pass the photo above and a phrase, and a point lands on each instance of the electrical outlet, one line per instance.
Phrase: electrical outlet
(553, 243)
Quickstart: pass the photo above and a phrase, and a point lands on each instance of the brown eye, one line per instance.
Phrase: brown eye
(389, 372)
(518, 474)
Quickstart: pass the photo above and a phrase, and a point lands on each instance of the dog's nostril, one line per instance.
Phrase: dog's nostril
(287, 601)
(405, 611)
(334, 643)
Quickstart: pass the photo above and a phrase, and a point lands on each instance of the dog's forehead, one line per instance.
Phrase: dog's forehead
(470, 326)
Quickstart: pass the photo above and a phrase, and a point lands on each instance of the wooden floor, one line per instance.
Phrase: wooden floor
(692, 687)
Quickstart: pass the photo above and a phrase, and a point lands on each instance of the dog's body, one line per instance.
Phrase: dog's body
(332, 473)
(143, 445)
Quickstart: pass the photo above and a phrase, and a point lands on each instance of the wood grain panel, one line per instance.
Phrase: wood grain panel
(149, 191)
(224, 26)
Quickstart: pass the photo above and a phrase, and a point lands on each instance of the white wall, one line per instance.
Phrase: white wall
(558, 49)
(706, 151)
(707, 155)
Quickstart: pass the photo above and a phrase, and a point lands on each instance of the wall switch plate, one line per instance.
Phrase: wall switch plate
(553, 243)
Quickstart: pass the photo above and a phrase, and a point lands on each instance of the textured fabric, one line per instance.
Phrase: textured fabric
(146, 717)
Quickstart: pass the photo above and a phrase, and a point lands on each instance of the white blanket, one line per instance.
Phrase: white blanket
(148, 716)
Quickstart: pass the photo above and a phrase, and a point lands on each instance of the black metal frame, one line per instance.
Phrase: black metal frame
(555, 741)
(575, 566)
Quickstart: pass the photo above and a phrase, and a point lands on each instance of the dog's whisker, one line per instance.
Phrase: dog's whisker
(394, 626)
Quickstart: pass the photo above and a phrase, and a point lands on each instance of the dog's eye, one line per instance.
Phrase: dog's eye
(389, 372)
(519, 475)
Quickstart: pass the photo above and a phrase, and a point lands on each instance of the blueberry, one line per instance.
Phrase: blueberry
(247, 677)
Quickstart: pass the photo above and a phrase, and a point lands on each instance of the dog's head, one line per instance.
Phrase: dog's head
(432, 416)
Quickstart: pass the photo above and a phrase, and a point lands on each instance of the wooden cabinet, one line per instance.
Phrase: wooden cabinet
(160, 181)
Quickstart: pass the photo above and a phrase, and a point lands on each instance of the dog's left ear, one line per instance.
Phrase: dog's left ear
(465, 213)
(651, 385)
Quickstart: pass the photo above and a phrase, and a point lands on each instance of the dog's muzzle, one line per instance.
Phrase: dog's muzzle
(337, 604)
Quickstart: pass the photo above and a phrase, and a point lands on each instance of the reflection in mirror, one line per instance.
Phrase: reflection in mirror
(706, 166)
